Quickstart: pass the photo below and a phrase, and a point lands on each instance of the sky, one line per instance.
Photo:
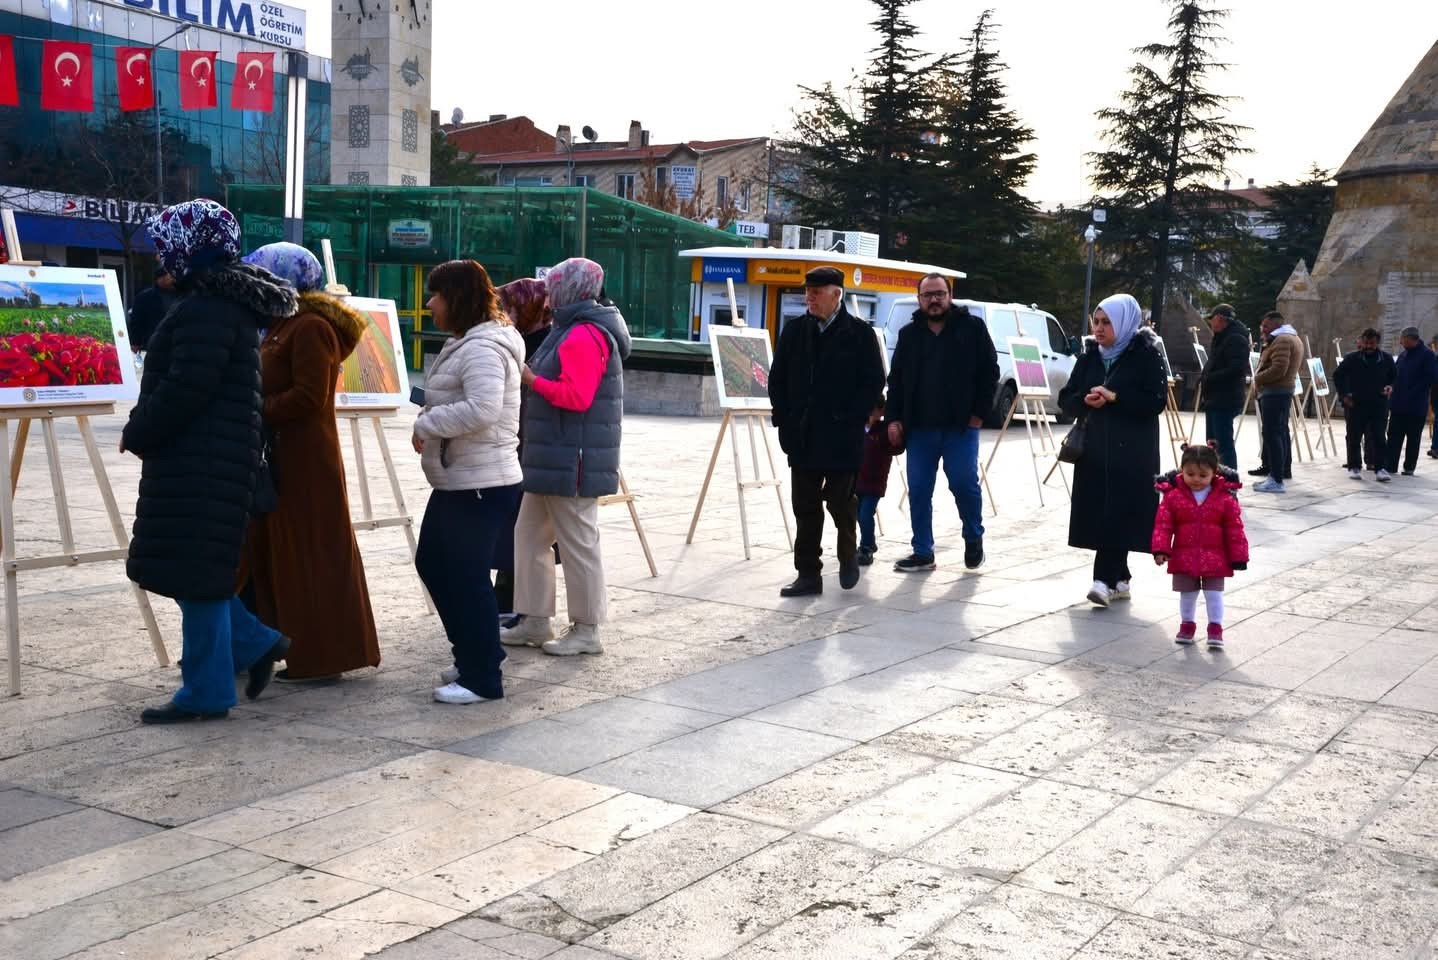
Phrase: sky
(1312, 77)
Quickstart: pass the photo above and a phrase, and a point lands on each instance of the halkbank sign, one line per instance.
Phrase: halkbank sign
(261, 20)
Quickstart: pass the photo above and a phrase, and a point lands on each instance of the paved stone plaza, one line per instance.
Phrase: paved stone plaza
(941, 766)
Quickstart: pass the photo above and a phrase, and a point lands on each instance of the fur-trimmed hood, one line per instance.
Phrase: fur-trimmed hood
(1225, 479)
(348, 323)
(254, 288)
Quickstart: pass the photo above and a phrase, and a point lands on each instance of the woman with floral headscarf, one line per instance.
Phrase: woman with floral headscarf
(302, 559)
(196, 429)
(1118, 388)
(572, 425)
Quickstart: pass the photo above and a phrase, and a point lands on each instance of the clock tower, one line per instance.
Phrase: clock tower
(379, 94)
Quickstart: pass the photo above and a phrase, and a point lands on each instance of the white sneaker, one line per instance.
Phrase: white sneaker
(1272, 486)
(449, 675)
(578, 638)
(529, 632)
(1099, 594)
(454, 693)
(1384, 476)
(1123, 591)
(1355, 474)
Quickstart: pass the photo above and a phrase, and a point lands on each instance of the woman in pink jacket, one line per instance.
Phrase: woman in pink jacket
(1198, 531)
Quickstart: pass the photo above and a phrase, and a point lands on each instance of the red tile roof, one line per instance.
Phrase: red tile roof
(511, 135)
(655, 151)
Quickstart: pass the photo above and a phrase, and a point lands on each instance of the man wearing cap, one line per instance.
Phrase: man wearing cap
(1273, 382)
(941, 387)
(1408, 403)
(826, 377)
(1224, 381)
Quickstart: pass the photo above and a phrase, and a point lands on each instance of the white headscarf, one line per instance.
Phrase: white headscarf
(1126, 316)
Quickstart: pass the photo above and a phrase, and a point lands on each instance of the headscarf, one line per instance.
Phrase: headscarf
(193, 235)
(1126, 316)
(291, 263)
(524, 301)
(572, 281)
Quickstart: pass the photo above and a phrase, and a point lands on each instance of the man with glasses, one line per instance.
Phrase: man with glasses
(941, 388)
(827, 375)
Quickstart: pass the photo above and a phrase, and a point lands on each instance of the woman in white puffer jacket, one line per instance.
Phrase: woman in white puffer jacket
(468, 438)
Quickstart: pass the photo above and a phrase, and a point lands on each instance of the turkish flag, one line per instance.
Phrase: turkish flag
(133, 77)
(67, 77)
(9, 89)
(254, 86)
(198, 89)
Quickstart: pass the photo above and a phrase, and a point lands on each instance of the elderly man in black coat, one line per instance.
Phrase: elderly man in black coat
(196, 427)
(827, 375)
(1225, 380)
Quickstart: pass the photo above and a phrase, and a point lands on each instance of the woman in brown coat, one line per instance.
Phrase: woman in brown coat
(302, 560)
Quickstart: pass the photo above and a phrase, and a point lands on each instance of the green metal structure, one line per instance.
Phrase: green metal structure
(385, 240)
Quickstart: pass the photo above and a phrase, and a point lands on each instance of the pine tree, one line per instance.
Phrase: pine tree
(976, 216)
(1169, 142)
(859, 166)
(1259, 267)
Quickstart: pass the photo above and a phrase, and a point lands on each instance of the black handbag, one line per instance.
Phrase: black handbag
(266, 498)
(1071, 450)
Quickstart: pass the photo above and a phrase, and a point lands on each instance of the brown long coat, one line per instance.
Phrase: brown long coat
(308, 578)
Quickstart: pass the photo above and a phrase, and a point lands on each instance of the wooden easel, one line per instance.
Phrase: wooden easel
(1202, 356)
(1300, 421)
(755, 421)
(375, 416)
(627, 498)
(10, 465)
(1173, 422)
(1047, 445)
(1326, 444)
(1250, 398)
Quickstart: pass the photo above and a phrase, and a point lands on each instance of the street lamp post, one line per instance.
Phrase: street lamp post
(159, 148)
(1089, 235)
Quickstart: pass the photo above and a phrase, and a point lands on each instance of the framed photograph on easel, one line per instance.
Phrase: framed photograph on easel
(742, 357)
(374, 375)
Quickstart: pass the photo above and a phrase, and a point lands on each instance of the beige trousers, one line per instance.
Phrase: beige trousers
(573, 523)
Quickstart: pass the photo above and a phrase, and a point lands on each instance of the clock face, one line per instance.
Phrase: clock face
(418, 13)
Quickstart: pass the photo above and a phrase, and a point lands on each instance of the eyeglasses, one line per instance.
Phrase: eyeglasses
(934, 295)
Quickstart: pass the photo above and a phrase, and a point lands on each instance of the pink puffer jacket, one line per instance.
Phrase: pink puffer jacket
(1201, 539)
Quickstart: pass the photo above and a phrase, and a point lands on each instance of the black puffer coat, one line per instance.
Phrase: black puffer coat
(196, 427)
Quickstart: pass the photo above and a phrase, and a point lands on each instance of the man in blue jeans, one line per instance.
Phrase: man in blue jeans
(941, 387)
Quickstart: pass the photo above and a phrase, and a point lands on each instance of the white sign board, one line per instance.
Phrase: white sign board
(1319, 376)
(742, 357)
(752, 229)
(63, 338)
(262, 20)
(53, 204)
(374, 375)
(1029, 370)
(684, 179)
(411, 234)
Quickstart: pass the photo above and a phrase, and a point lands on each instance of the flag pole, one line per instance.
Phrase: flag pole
(159, 146)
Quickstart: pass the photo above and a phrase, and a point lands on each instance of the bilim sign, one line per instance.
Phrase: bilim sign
(274, 23)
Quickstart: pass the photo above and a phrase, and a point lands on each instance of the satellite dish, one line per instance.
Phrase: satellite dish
(589, 134)
(457, 117)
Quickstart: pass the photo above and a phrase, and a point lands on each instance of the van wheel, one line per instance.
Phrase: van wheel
(1008, 397)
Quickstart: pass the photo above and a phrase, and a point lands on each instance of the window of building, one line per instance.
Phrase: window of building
(745, 189)
(721, 191)
(526, 182)
(583, 180)
(661, 178)
(624, 185)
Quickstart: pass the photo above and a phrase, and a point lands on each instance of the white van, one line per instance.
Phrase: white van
(1005, 320)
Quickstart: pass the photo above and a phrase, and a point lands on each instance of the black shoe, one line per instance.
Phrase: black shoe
(849, 573)
(973, 554)
(1258, 472)
(914, 563)
(1407, 473)
(804, 586)
(865, 556)
(264, 668)
(170, 713)
(1433, 454)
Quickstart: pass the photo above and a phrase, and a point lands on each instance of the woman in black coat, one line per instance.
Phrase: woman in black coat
(1118, 385)
(196, 427)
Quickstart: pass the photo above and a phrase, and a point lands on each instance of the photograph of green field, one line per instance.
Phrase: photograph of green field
(372, 367)
(744, 365)
(56, 334)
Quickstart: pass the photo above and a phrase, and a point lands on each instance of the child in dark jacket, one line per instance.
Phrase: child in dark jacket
(873, 481)
(1198, 532)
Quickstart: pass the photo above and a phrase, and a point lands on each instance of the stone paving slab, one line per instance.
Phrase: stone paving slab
(958, 765)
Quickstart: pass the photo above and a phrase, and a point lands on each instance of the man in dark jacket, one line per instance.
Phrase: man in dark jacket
(150, 306)
(1224, 380)
(941, 387)
(196, 428)
(827, 375)
(1408, 404)
(1364, 379)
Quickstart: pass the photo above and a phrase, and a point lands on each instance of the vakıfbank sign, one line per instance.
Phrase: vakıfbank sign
(274, 23)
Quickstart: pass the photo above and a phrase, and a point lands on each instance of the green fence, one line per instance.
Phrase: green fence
(385, 239)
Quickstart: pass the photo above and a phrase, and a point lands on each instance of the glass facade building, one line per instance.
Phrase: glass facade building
(386, 239)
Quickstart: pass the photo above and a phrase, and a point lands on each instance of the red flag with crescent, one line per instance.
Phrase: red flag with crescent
(9, 88)
(67, 76)
(133, 78)
(254, 85)
(198, 89)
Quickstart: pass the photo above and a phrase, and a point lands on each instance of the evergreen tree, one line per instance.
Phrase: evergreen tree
(1168, 142)
(859, 163)
(1299, 213)
(448, 167)
(975, 215)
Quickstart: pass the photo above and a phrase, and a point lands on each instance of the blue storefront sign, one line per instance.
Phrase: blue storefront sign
(276, 23)
(717, 271)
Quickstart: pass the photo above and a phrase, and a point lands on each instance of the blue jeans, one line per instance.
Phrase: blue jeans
(1218, 424)
(220, 640)
(959, 449)
(868, 506)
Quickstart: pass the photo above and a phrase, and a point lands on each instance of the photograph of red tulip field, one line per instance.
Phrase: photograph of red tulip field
(62, 337)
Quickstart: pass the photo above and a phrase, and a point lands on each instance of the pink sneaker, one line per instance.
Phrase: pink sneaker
(1186, 630)
(1215, 636)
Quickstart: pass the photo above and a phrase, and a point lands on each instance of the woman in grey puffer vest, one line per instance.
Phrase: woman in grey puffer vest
(572, 424)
